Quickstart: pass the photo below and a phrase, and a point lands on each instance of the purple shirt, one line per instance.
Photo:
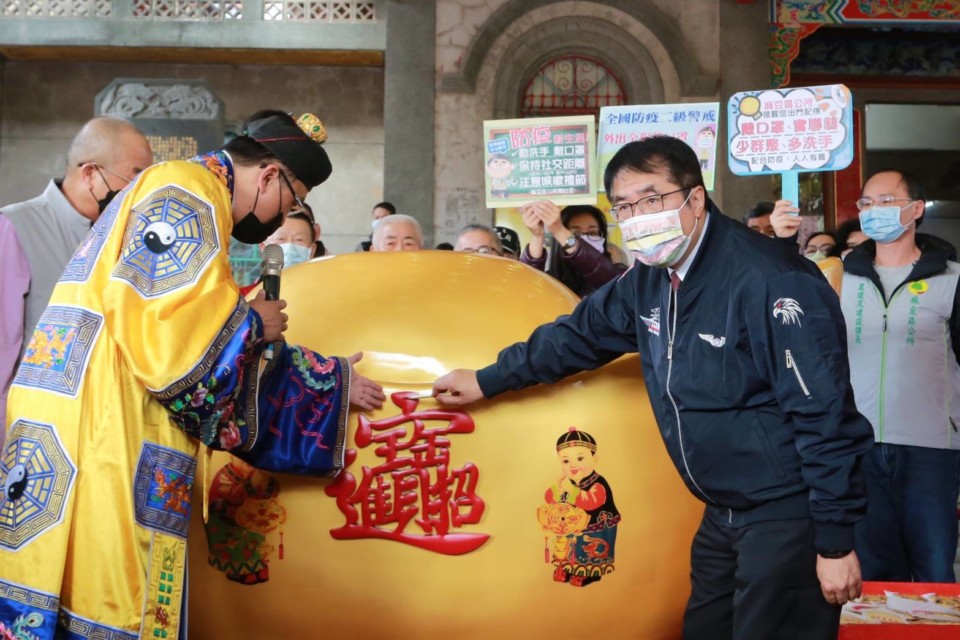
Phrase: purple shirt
(595, 268)
(14, 284)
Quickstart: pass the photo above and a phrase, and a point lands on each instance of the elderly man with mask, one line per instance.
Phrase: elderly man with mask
(145, 351)
(106, 154)
(749, 384)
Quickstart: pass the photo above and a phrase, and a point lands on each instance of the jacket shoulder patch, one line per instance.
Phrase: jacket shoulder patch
(788, 310)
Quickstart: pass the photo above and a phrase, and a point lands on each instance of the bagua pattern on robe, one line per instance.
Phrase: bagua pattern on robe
(146, 351)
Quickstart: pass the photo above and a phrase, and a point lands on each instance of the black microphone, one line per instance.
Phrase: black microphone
(270, 269)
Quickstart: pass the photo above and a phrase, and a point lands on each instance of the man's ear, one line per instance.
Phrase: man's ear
(267, 174)
(920, 207)
(88, 174)
(698, 200)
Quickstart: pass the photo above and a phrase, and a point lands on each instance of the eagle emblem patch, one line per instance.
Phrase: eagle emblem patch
(788, 310)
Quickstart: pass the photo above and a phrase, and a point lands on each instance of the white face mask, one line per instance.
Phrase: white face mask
(594, 241)
(294, 254)
(656, 239)
(816, 256)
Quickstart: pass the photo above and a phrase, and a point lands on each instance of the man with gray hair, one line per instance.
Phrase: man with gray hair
(479, 238)
(103, 158)
(398, 232)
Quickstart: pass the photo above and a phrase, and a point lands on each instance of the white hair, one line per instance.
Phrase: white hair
(391, 220)
(494, 238)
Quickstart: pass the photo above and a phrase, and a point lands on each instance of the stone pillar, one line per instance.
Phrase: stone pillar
(744, 30)
(408, 110)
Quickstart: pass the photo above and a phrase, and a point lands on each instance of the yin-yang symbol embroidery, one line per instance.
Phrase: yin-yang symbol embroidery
(159, 236)
(15, 483)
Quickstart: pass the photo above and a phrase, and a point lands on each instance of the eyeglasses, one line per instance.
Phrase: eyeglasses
(882, 201)
(484, 250)
(98, 167)
(814, 248)
(296, 198)
(647, 205)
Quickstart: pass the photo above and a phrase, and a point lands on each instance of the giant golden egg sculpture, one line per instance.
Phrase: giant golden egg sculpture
(450, 524)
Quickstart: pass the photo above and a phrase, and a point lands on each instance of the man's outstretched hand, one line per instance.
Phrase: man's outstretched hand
(459, 387)
(364, 392)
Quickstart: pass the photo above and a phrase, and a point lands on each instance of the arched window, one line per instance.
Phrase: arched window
(570, 86)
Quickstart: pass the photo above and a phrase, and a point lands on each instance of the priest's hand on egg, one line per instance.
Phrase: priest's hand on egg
(271, 315)
(457, 388)
(364, 392)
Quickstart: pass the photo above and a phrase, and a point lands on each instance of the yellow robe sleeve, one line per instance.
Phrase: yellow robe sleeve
(174, 310)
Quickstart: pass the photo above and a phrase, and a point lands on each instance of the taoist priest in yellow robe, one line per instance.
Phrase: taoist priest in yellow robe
(145, 351)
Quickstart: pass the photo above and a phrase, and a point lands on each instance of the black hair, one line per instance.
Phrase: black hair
(445, 246)
(833, 252)
(654, 154)
(915, 189)
(299, 215)
(844, 232)
(561, 269)
(759, 209)
(244, 150)
(385, 205)
(499, 156)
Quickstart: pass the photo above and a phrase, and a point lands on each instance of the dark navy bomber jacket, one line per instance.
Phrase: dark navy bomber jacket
(746, 369)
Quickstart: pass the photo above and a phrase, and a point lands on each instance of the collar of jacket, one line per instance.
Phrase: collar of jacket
(934, 254)
(713, 236)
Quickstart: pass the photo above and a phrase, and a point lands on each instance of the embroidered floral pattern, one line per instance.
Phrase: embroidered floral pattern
(308, 364)
(162, 489)
(230, 436)
(208, 409)
(19, 629)
(218, 163)
(170, 491)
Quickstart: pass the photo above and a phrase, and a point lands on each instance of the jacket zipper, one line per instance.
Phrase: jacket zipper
(883, 357)
(671, 333)
(791, 364)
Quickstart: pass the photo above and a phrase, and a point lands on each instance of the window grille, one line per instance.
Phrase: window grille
(571, 86)
(336, 11)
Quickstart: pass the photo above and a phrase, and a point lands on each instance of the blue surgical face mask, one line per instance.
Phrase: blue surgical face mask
(882, 224)
(294, 254)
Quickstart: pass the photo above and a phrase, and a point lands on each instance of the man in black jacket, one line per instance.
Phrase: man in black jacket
(745, 361)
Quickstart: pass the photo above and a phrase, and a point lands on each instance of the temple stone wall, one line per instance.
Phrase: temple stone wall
(673, 45)
(45, 103)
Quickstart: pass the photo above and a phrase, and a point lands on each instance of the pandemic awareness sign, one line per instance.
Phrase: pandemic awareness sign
(694, 123)
(525, 516)
(540, 159)
(788, 131)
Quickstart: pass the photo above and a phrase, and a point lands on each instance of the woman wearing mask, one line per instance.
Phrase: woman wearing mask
(578, 251)
(899, 299)
(821, 245)
(297, 237)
